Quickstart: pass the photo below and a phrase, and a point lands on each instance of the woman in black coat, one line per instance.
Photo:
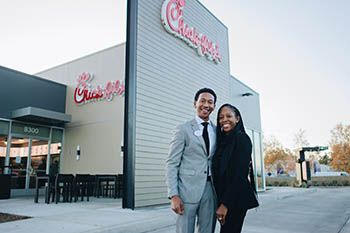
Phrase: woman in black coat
(230, 169)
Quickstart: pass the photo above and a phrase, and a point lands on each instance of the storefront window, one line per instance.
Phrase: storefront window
(4, 128)
(3, 145)
(250, 134)
(258, 160)
(55, 150)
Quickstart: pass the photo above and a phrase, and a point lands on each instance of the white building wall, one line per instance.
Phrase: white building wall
(96, 126)
(249, 106)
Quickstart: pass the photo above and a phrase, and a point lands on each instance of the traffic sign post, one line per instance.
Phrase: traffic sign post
(303, 173)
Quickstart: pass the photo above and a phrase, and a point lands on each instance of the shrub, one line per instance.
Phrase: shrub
(293, 184)
(283, 183)
(315, 181)
(334, 183)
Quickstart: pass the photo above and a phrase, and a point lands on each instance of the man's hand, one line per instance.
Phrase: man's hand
(176, 205)
(221, 213)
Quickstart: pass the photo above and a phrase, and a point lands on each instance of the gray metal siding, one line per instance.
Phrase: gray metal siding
(169, 72)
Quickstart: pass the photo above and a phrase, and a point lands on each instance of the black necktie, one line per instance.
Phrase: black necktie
(205, 135)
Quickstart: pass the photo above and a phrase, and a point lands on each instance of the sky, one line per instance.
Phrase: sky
(294, 53)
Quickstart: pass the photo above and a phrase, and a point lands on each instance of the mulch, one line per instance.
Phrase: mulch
(11, 217)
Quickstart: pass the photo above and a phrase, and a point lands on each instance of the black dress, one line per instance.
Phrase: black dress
(230, 170)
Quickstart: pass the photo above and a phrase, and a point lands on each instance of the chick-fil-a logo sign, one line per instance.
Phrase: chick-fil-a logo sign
(174, 23)
(85, 93)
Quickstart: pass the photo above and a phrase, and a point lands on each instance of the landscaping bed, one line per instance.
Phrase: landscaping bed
(315, 181)
(10, 217)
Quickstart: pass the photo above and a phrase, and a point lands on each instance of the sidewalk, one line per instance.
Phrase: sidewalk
(97, 215)
(283, 209)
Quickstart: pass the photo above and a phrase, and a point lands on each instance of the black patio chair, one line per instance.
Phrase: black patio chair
(106, 185)
(83, 186)
(64, 185)
(120, 185)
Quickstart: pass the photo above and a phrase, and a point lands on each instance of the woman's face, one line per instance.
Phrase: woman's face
(227, 119)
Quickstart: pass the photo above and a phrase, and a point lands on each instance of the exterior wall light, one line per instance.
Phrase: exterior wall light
(247, 94)
(78, 153)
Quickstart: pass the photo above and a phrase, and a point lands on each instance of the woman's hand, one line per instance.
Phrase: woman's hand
(221, 213)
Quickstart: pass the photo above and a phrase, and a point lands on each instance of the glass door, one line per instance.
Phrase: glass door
(28, 150)
(38, 160)
(18, 162)
(28, 158)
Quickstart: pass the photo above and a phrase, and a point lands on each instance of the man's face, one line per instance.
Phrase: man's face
(204, 105)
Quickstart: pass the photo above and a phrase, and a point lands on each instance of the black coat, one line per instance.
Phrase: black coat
(230, 171)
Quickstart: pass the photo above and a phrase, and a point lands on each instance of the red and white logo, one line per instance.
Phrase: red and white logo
(174, 23)
(85, 93)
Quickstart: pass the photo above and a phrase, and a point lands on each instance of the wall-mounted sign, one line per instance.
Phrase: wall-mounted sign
(85, 93)
(174, 23)
(31, 130)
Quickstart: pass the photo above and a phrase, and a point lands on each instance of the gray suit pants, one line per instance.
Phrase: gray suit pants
(205, 210)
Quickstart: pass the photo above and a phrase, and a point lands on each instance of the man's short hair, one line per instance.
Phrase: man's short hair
(205, 90)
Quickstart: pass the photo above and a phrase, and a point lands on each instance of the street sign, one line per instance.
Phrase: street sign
(315, 148)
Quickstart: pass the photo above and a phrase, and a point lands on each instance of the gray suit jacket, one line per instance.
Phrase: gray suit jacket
(187, 163)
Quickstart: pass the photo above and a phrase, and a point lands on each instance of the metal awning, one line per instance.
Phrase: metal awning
(39, 115)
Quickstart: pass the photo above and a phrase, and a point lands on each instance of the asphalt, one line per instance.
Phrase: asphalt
(282, 209)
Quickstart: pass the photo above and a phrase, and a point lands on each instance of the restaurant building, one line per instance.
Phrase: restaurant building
(32, 119)
(113, 112)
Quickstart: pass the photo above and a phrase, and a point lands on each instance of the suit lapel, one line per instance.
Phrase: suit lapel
(214, 147)
(214, 126)
(198, 134)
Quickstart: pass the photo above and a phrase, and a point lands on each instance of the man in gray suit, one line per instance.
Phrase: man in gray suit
(189, 180)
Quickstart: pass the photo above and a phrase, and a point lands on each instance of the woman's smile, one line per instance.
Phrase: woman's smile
(227, 119)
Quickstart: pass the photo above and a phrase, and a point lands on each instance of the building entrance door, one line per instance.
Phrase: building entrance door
(28, 158)
(28, 150)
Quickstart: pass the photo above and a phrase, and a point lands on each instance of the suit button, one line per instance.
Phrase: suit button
(205, 172)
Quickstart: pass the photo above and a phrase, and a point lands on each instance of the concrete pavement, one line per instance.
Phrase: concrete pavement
(307, 210)
(283, 209)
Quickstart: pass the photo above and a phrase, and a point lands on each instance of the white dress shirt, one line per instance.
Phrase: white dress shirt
(211, 134)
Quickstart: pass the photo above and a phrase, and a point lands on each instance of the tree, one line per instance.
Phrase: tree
(340, 144)
(300, 139)
(325, 160)
(276, 156)
(340, 134)
(291, 160)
